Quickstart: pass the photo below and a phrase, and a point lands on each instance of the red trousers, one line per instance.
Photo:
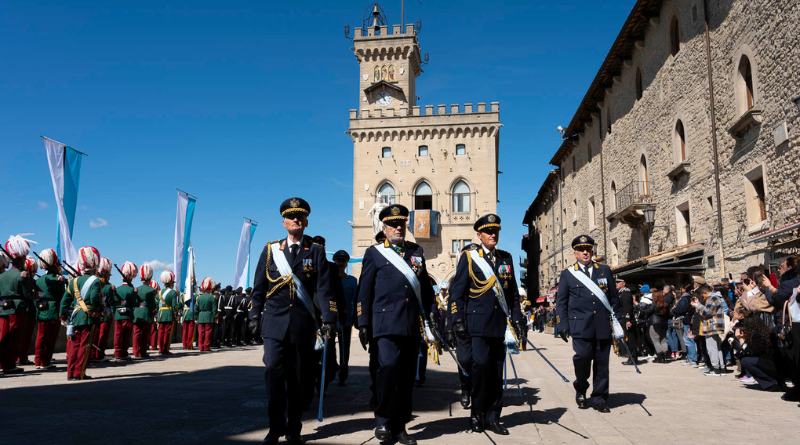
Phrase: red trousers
(10, 330)
(164, 336)
(141, 338)
(100, 341)
(46, 342)
(188, 334)
(122, 336)
(153, 336)
(78, 351)
(25, 339)
(204, 336)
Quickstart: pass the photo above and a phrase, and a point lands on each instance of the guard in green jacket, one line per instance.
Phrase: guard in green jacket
(168, 311)
(189, 321)
(127, 302)
(206, 307)
(142, 315)
(31, 267)
(81, 309)
(15, 290)
(100, 340)
(53, 286)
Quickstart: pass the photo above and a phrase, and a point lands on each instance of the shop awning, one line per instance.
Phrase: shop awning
(541, 299)
(686, 259)
(775, 233)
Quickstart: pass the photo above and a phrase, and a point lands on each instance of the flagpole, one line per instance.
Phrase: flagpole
(72, 148)
(186, 193)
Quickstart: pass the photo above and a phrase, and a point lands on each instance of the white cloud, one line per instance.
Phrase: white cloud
(99, 222)
(43, 205)
(82, 207)
(340, 183)
(157, 265)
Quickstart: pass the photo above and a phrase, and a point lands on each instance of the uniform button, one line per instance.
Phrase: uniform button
(290, 305)
(384, 310)
(406, 300)
(594, 312)
(495, 307)
(592, 302)
(406, 286)
(592, 294)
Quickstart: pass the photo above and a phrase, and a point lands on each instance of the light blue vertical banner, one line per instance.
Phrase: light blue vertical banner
(72, 179)
(187, 236)
(65, 171)
(252, 233)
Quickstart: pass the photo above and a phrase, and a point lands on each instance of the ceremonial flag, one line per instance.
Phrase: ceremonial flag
(183, 230)
(65, 171)
(241, 277)
(190, 280)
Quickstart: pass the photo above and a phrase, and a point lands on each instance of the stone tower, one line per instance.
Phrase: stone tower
(440, 163)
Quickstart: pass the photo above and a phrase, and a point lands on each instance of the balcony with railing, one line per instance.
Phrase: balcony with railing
(630, 201)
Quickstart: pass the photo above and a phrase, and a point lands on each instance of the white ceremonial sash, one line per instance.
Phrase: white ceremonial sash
(87, 285)
(488, 273)
(401, 265)
(285, 269)
(592, 286)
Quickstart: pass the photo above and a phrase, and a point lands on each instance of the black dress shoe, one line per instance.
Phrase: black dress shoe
(270, 439)
(496, 428)
(630, 363)
(404, 439)
(382, 433)
(581, 400)
(791, 396)
(601, 407)
(465, 399)
(475, 424)
(295, 439)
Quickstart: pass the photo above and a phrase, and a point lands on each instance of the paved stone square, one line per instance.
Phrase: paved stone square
(220, 398)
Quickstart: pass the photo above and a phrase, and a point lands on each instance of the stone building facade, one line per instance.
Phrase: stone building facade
(440, 162)
(722, 183)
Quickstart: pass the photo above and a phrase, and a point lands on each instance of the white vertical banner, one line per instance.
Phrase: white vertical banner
(241, 277)
(56, 159)
(183, 231)
(190, 278)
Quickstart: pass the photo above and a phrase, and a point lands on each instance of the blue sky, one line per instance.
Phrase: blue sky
(245, 104)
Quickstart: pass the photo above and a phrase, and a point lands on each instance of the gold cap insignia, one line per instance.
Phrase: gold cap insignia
(583, 239)
(294, 203)
(492, 218)
(395, 211)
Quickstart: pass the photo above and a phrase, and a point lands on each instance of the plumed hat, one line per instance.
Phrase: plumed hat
(50, 259)
(167, 277)
(88, 259)
(146, 272)
(129, 270)
(104, 267)
(17, 246)
(207, 284)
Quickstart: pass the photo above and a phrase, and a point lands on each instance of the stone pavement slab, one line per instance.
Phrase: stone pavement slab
(219, 397)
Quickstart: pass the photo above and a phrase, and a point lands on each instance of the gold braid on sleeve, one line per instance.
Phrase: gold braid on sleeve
(279, 282)
(482, 285)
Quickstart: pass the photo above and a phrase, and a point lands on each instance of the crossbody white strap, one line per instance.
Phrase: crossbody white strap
(592, 286)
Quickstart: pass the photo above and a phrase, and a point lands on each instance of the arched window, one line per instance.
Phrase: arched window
(391, 73)
(377, 75)
(644, 188)
(423, 151)
(387, 191)
(461, 197)
(639, 86)
(386, 152)
(745, 82)
(423, 197)
(461, 149)
(680, 141)
(613, 196)
(674, 36)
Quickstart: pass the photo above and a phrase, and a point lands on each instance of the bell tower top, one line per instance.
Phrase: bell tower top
(389, 62)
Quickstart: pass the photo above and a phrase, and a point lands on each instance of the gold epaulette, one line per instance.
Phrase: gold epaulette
(273, 242)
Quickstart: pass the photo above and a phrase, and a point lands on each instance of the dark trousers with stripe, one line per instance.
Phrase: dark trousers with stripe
(289, 378)
(591, 358)
(10, 331)
(122, 336)
(397, 362)
(46, 342)
(78, 351)
(464, 357)
(488, 354)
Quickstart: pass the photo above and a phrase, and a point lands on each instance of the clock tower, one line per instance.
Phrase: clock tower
(439, 161)
(388, 67)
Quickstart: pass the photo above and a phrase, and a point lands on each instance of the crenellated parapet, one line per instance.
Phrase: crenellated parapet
(426, 111)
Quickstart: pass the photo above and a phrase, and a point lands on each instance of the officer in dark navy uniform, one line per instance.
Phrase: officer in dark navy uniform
(373, 346)
(463, 349)
(580, 314)
(388, 311)
(287, 327)
(478, 316)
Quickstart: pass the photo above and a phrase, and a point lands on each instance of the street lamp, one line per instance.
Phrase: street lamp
(649, 214)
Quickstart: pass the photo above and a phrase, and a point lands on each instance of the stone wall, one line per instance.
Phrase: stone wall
(676, 88)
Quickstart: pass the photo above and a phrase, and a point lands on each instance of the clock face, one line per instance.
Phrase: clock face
(384, 98)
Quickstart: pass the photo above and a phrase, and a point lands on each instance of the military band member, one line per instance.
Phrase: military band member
(53, 285)
(100, 337)
(168, 311)
(15, 291)
(289, 271)
(582, 315)
(127, 303)
(82, 308)
(463, 347)
(247, 302)
(395, 295)
(349, 285)
(240, 317)
(31, 266)
(485, 303)
(142, 315)
(189, 318)
(227, 315)
(206, 308)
